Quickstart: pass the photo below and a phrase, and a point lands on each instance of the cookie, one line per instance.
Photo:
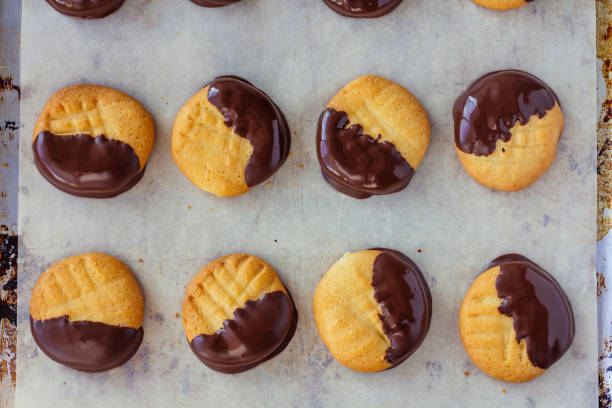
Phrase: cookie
(214, 3)
(371, 137)
(229, 137)
(502, 4)
(362, 8)
(372, 309)
(515, 320)
(86, 312)
(86, 8)
(237, 314)
(507, 127)
(92, 141)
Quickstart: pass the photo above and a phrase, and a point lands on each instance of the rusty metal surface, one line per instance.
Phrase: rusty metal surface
(10, 93)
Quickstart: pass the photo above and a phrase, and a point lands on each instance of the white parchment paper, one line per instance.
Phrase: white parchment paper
(301, 53)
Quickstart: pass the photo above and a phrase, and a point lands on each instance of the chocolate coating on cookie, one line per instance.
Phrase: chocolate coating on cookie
(254, 116)
(541, 312)
(86, 346)
(362, 8)
(86, 8)
(214, 3)
(357, 164)
(493, 104)
(86, 166)
(405, 301)
(260, 330)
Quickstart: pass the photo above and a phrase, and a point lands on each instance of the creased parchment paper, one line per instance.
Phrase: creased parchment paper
(301, 53)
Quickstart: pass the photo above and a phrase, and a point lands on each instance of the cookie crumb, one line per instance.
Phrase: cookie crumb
(503, 390)
(5, 164)
(419, 251)
(290, 154)
(466, 373)
(268, 184)
(301, 166)
(189, 207)
(140, 260)
(212, 209)
(176, 315)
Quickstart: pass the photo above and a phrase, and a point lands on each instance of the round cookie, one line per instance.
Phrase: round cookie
(229, 137)
(237, 314)
(86, 312)
(502, 4)
(371, 137)
(372, 309)
(92, 141)
(507, 127)
(515, 320)
(362, 8)
(86, 8)
(214, 3)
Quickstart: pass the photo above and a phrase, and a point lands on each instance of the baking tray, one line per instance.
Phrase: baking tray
(162, 54)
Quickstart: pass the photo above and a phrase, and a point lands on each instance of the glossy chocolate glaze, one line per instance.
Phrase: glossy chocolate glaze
(214, 3)
(253, 115)
(405, 301)
(259, 331)
(357, 164)
(86, 346)
(362, 8)
(541, 313)
(493, 104)
(86, 166)
(86, 8)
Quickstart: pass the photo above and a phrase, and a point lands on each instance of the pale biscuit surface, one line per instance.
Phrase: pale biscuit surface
(489, 336)
(91, 287)
(207, 151)
(221, 287)
(347, 315)
(97, 110)
(385, 108)
(518, 163)
(501, 4)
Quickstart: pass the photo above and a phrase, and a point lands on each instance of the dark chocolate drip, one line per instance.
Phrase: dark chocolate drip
(357, 164)
(541, 313)
(254, 116)
(405, 301)
(260, 330)
(214, 3)
(84, 345)
(86, 8)
(8, 274)
(493, 104)
(86, 166)
(362, 8)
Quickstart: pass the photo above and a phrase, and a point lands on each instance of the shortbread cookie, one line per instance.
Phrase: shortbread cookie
(86, 8)
(92, 141)
(507, 127)
(229, 137)
(515, 320)
(502, 4)
(214, 3)
(371, 137)
(237, 313)
(362, 8)
(372, 309)
(86, 312)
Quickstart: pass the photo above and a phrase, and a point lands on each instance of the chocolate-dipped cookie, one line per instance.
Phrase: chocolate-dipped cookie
(371, 137)
(515, 320)
(214, 3)
(237, 314)
(229, 137)
(86, 312)
(86, 8)
(362, 8)
(507, 127)
(92, 141)
(372, 309)
(502, 4)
